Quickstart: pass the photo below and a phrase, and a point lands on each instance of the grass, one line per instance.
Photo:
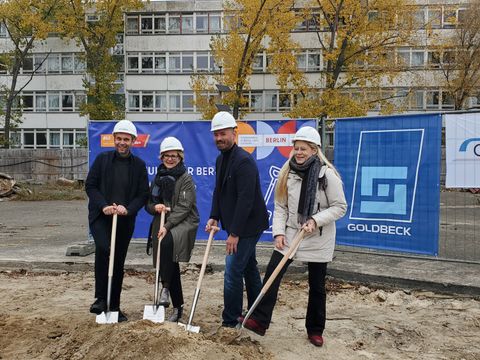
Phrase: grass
(50, 191)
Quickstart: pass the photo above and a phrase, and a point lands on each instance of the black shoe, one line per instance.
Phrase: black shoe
(99, 306)
(176, 314)
(121, 316)
(164, 298)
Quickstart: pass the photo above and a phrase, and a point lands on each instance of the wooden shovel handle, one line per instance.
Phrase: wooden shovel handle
(293, 248)
(213, 230)
(112, 245)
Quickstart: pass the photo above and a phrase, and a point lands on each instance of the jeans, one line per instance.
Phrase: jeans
(239, 267)
(317, 298)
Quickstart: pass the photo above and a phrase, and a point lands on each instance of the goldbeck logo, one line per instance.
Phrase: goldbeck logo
(106, 141)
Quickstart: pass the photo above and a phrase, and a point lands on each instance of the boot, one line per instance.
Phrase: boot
(164, 298)
(176, 314)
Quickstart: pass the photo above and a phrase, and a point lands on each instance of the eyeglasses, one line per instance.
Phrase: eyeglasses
(172, 157)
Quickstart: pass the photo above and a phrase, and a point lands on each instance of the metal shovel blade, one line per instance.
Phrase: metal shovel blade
(191, 328)
(154, 313)
(109, 317)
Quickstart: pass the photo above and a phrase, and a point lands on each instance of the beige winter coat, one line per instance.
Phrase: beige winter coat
(315, 247)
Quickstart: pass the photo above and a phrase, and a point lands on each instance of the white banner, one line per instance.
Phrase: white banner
(462, 135)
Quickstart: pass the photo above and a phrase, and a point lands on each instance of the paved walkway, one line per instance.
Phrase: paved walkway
(36, 235)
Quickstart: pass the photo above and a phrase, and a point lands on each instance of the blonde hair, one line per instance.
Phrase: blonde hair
(281, 188)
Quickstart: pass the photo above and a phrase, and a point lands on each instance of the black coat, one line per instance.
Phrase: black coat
(98, 185)
(239, 205)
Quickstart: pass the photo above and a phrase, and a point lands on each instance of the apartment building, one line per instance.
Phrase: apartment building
(167, 42)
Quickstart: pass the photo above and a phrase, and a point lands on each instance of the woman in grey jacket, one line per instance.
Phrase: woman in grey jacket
(309, 195)
(173, 187)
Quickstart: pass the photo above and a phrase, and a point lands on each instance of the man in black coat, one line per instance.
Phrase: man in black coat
(239, 206)
(117, 183)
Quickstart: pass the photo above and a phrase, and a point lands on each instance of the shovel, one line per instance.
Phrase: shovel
(288, 255)
(155, 312)
(189, 326)
(110, 317)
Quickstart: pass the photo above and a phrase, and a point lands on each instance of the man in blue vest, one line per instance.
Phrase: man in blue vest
(239, 206)
(117, 183)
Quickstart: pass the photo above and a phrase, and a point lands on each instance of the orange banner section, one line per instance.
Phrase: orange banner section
(106, 141)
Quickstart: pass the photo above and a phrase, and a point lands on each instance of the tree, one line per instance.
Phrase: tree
(357, 39)
(94, 24)
(459, 56)
(254, 26)
(26, 22)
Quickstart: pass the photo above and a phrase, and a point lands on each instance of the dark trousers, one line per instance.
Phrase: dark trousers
(169, 269)
(317, 297)
(101, 230)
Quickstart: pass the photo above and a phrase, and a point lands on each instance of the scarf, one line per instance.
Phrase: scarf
(164, 183)
(308, 171)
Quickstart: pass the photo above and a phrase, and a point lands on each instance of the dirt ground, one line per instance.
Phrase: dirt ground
(45, 316)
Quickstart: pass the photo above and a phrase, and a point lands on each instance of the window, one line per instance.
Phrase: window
(419, 19)
(174, 24)
(41, 138)
(53, 102)
(160, 25)
(213, 64)
(284, 102)
(67, 63)
(132, 63)
(314, 22)
(201, 25)
(174, 102)
(133, 102)
(187, 24)
(39, 63)
(448, 102)
(202, 61)
(54, 63)
(418, 58)
(160, 63)
(417, 99)
(433, 59)
(79, 101)
(28, 65)
(15, 140)
(40, 102)
(3, 30)
(271, 101)
(147, 102)
(435, 18)
(174, 60)
(187, 101)
(161, 102)
(448, 57)
(214, 23)
(80, 137)
(146, 23)
(132, 25)
(449, 18)
(257, 65)
(79, 64)
(68, 140)
(67, 102)
(147, 63)
(302, 62)
(403, 57)
(433, 99)
(461, 14)
(54, 140)
(27, 102)
(313, 61)
(28, 139)
(187, 62)
(256, 101)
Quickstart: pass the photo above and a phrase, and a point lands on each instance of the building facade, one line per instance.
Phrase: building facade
(167, 42)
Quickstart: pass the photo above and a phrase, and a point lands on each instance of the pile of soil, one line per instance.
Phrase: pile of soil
(45, 316)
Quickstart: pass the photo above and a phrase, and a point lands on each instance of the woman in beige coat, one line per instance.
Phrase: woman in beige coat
(173, 187)
(309, 195)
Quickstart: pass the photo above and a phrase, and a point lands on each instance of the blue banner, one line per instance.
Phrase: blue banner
(269, 142)
(391, 170)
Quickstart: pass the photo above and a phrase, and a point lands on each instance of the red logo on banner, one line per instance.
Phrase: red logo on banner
(106, 141)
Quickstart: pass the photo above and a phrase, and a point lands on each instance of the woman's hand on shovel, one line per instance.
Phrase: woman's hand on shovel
(162, 232)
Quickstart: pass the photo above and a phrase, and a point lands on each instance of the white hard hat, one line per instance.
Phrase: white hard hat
(125, 126)
(308, 134)
(223, 120)
(170, 143)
